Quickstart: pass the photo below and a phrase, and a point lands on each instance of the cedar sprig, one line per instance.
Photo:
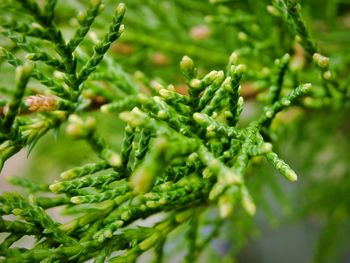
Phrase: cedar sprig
(180, 155)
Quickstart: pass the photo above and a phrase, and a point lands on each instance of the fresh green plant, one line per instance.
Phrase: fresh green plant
(183, 157)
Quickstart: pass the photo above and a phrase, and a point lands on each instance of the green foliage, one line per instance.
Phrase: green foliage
(187, 151)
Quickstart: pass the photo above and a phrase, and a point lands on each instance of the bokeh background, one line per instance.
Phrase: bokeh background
(308, 221)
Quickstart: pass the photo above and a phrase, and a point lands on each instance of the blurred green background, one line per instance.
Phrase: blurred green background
(303, 222)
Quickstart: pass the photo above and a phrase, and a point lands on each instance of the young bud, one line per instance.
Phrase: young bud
(165, 93)
(233, 58)
(152, 204)
(5, 145)
(285, 59)
(327, 75)
(239, 69)
(193, 156)
(291, 175)
(81, 17)
(212, 75)
(242, 36)
(121, 29)
(321, 61)
(68, 174)
(162, 114)
(273, 10)
(282, 167)
(199, 117)
(2, 52)
(227, 84)
(23, 72)
(207, 173)
(217, 190)
(186, 64)
(76, 131)
(75, 200)
(135, 118)
(187, 67)
(120, 10)
(160, 59)
(231, 177)
(269, 113)
(266, 147)
(171, 87)
(225, 206)
(285, 102)
(94, 38)
(219, 77)
(101, 8)
(112, 158)
(248, 205)
(156, 85)
(195, 83)
(142, 180)
(306, 87)
(56, 187)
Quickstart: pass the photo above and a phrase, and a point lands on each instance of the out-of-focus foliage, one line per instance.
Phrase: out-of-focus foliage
(186, 154)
